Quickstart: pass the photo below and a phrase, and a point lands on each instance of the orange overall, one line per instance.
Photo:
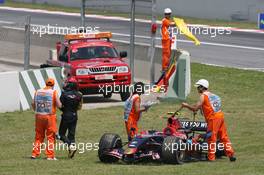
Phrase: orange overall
(166, 43)
(214, 117)
(131, 117)
(45, 110)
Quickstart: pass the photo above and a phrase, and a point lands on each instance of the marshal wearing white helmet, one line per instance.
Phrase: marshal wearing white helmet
(166, 32)
(202, 82)
(167, 11)
(210, 105)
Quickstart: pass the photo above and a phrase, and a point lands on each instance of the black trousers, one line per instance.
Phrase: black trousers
(70, 127)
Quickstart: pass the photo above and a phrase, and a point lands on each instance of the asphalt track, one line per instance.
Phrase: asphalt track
(238, 49)
(6, 68)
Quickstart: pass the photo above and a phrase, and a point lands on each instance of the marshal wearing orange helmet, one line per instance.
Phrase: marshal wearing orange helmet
(210, 105)
(166, 39)
(44, 104)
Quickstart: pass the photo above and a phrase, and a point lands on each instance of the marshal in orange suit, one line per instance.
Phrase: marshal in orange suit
(210, 105)
(44, 104)
(132, 110)
(166, 40)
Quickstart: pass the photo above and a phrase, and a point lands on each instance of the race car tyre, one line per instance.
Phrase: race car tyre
(171, 152)
(108, 142)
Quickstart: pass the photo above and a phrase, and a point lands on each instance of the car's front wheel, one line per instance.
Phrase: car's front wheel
(107, 142)
(171, 150)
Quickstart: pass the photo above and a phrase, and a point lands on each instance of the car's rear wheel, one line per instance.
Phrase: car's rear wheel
(108, 142)
(171, 150)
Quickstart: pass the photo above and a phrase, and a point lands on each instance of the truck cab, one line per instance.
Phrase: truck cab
(95, 63)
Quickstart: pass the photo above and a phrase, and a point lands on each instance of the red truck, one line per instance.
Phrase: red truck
(95, 63)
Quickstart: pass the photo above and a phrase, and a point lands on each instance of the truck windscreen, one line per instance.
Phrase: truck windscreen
(93, 52)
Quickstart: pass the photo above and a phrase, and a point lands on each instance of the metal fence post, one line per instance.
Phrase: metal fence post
(27, 43)
(132, 39)
(152, 44)
(83, 13)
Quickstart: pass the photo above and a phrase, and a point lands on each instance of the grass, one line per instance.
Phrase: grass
(189, 20)
(242, 95)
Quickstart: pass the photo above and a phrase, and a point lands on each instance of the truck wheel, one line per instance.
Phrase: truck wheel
(108, 95)
(171, 152)
(125, 93)
(108, 142)
(124, 96)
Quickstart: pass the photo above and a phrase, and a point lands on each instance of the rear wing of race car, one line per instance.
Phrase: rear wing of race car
(194, 125)
(85, 36)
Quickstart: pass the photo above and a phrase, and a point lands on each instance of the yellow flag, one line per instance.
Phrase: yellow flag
(184, 29)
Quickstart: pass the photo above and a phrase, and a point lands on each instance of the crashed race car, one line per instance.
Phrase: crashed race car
(180, 141)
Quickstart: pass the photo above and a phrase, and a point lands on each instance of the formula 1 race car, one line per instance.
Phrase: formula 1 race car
(179, 141)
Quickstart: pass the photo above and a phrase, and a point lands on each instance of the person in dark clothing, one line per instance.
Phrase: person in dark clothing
(71, 100)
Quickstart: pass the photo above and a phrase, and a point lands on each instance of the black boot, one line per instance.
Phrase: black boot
(232, 159)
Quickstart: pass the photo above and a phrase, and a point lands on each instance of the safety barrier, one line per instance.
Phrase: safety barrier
(31, 80)
(9, 93)
(180, 81)
(18, 88)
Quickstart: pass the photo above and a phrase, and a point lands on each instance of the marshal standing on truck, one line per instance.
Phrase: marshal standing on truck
(71, 100)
